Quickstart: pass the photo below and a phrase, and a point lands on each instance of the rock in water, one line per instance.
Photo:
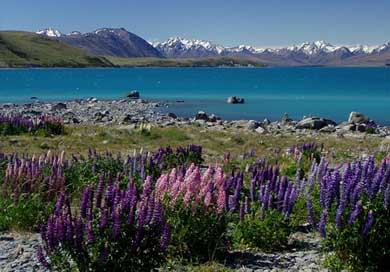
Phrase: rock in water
(133, 95)
(358, 118)
(314, 123)
(235, 100)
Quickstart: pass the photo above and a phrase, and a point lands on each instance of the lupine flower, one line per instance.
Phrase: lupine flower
(310, 211)
(355, 213)
(369, 223)
(41, 258)
(322, 223)
(166, 234)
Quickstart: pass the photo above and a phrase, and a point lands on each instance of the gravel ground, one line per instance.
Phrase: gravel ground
(18, 253)
(303, 255)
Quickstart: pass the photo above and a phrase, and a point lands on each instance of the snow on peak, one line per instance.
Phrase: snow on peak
(190, 44)
(50, 32)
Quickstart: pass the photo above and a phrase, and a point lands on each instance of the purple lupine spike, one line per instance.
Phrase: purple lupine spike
(60, 203)
(253, 190)
(291, 201)
(99, 192)
(310, 211)
(157, 214)
(266, 196)
(369, 223)
(355, 213)
(41, 257)
(165, 237)
(84, 202)
(322, 223)
(50, 233)
(356, 192)
(103, 219)
(78, 229)
(286, 197)
(89, 231)
(339, 213)
(116, 223)
(387, 198)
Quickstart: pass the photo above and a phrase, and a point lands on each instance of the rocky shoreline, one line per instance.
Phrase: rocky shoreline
(134, 112)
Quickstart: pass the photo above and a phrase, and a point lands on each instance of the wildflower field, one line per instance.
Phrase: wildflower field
(151, 209)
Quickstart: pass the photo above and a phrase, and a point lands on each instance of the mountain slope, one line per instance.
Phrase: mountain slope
(106, 42)
(25, 49)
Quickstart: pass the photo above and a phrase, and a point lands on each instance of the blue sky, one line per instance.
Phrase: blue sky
(253, 22)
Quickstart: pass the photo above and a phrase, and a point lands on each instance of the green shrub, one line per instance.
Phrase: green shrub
(269, 234)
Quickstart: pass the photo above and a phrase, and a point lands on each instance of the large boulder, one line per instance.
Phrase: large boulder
(59, 107)
(252, 125)
(235, 100)
(314, 123)
(285, 119)
(201, 115)
(133, 95)
(358, 118)
(213, 118)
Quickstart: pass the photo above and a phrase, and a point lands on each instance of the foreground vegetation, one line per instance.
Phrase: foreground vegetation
(25, 49)
(99, 209)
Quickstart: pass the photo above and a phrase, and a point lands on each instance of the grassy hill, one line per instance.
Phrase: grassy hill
(203, 62)
(25, 49)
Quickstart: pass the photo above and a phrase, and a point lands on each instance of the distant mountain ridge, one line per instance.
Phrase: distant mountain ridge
(309, 53)
(118, 42)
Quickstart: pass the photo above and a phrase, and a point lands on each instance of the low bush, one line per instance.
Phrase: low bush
(196, 210)
(42, 126)
(356, 215)
(115, 230)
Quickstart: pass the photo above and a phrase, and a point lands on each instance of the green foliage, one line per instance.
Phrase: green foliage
(356, 251)
(197, 236)
(269, 234)
(28, 213)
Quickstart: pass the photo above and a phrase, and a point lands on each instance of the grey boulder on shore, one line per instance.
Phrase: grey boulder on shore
(315, 123)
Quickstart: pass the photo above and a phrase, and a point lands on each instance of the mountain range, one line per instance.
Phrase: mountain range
(309, 53)
(118, 42)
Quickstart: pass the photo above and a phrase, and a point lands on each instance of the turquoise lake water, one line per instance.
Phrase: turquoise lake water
(268, 92)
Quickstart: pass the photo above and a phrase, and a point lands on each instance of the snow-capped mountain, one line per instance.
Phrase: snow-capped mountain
(50, 32)
(308, 53)
(121, 43)
(116, 42)
(174, 47)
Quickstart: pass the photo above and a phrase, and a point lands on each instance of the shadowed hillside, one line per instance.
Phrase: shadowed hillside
(25, 49)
